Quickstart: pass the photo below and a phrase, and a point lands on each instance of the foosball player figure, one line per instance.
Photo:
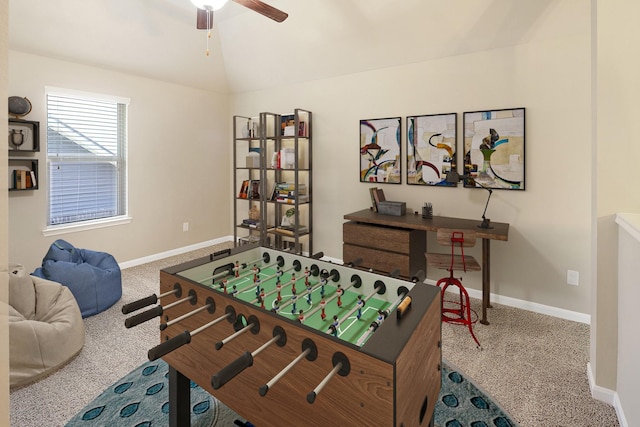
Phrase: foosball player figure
(234, 292)
(256, 271)
(323, 304)
(323, 282)
(279, 289)
(360, 304)
(334, 326)
(309, 291)
(223, 285)
(258, 287)
(261, 297)
(293, 283)
(306, 276)
(379, 319)
(301, 316)
(339, 292)
(279, 274)
(294, 297)
(276, 306)
(236, 269)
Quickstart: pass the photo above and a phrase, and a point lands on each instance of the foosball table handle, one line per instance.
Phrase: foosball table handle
(170, 345)
(144, 316)
(137, 305)
(227, 373)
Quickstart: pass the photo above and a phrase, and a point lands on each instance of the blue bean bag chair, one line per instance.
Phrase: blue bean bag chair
(93, 278)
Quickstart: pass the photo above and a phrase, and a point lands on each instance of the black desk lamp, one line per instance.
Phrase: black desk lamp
(454, 178)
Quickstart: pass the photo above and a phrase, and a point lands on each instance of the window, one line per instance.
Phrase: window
(86, 152)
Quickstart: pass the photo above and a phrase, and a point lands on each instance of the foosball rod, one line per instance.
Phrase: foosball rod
(375, 325)
(185, 337)
(230, 270)
(270, 277)
(151, 299)
(249, 272)
(286, 285)
(253, 326)
(310, 351)
(157, 311)
(341, 366)
(210, 305)
(380, 288)
(418, 277)
(246, 359)
(335, 295)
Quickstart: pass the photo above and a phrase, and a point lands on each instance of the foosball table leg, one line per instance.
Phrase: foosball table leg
(179, 399)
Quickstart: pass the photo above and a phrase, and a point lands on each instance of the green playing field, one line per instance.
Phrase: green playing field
(350, 329)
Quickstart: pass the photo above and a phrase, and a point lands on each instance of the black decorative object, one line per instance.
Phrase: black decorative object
(19, 107)
(453, 177)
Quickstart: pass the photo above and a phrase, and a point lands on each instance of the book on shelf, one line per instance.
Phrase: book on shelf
(22, 179)
(292, 200)
(242, 194)
(254, 189)
(251, 223)
(378, 195)
(302, 129)
(287, 124)
(288, 230)
(290, 186)
(250, 189)
(374, 204)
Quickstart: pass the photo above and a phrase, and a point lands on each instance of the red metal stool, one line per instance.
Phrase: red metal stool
(456, 312)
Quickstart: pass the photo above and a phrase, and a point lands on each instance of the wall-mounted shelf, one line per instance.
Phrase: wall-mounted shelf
(23, 142)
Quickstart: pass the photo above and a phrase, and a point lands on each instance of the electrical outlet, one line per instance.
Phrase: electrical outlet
(185, 226)
(573, 277)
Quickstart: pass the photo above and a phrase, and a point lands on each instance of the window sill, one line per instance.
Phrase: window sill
(86, 225)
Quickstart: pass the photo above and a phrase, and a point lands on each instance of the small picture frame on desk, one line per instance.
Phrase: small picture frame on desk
(23, 136)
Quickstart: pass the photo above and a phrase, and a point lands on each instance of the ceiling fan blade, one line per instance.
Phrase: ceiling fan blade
(201, 21)
(264, 9)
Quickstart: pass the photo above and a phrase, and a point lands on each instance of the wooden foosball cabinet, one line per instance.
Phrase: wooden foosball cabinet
(352, 348)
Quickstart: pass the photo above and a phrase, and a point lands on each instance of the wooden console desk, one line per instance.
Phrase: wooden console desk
(385, 237)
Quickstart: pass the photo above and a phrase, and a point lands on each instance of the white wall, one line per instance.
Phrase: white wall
(4, 278)
(177, 158)
(627, 382)
(550, 221)
(616, 93)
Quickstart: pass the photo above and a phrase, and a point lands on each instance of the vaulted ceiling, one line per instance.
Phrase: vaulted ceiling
(320, 39)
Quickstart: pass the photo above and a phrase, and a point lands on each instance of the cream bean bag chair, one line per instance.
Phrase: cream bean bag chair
(46, 329)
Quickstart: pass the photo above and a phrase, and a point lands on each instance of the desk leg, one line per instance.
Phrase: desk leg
(179, 399)
(486, 279)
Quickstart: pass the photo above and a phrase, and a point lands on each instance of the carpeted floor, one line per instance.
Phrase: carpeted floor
(533, 365)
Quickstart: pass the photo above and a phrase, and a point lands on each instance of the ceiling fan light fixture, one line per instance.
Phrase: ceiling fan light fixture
(209, 4)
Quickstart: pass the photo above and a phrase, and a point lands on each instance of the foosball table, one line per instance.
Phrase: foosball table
(284, 339)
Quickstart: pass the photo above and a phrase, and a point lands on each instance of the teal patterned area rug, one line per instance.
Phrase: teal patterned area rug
(462, 403)
(140, 399)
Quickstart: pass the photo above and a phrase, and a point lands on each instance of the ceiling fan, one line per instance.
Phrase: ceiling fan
(206, 8)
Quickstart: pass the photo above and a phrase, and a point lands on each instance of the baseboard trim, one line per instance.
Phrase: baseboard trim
(173, 252)
(529, 306)
(607, 396)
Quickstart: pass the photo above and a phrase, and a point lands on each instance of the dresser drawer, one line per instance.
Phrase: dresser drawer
(384, 238)
(379, 261)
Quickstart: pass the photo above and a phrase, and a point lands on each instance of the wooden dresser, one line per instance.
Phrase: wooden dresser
(384, 248)
(386, 242)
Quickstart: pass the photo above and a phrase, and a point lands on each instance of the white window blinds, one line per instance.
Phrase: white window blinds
(86, 151)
